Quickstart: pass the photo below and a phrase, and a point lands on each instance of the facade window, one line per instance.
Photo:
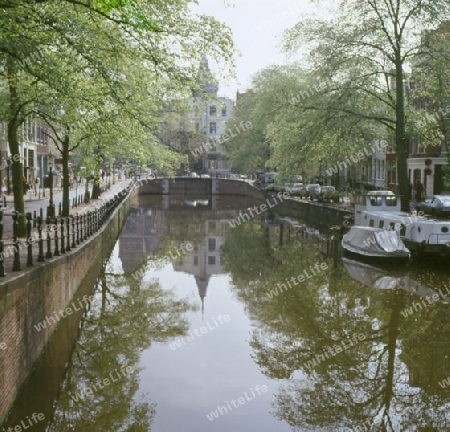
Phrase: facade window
(211, 260)
(212, 244)
(212, 110)
(212, 127)
(224, 112)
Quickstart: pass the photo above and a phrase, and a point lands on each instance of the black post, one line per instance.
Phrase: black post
(68, 248)
(81, 227)
(16, 264)
(84, 217)
(78, 229)
(41, 257)
(74, 231)
(49, 245)
(63, 249)
(2, 263)
(60, 209)
(29, 241)
(56, 253)
(34, 219)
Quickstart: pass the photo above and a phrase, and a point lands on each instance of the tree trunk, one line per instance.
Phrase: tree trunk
(65, 169)
(400, 134)
(95, 188)
(13, 142)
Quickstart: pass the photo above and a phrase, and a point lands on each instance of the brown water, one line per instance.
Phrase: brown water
(255, 328)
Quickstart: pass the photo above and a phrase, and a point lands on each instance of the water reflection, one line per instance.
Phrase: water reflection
(102, 379)
(353, 347)
(385, 382)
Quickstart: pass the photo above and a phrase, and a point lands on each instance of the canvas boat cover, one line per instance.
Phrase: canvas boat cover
(374, 242)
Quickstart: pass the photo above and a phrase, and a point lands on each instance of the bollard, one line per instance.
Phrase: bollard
(49, 245)
(63, 249)
(60, 209)
(41, 257)
(34, 219)
(16, 264)
(29, 241)
(2, 262)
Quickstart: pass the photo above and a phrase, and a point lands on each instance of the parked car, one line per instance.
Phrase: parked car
(205, 176)
(304, 193)
(328, 193)
(267, 179)
(314, 192)
(295, 188)
(307, 191)
(193, 175)
(436, 205)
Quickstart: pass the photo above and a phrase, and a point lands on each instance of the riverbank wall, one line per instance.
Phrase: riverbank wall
(30, 303)
(321, 216)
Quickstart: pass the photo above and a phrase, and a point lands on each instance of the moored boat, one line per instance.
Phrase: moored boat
(420, 234)
(375, 243)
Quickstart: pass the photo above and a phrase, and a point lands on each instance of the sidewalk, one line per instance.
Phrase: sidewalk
(34, 204)
(124, 185)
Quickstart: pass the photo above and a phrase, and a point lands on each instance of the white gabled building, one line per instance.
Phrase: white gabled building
(211, 117)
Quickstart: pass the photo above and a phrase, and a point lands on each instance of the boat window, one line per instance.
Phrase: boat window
(381, 224)
(444, 229)
(419, 229)
(391, 201)
(376, 201)
(402, 229)
(392, 226)
(371, 223)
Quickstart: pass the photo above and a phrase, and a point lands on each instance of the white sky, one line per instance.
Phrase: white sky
(257, 26)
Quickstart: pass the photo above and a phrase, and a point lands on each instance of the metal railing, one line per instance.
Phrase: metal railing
(50, 237)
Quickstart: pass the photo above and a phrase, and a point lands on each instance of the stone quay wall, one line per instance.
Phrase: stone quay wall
(34, 296)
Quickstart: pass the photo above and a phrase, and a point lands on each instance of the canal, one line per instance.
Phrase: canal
(204, 319)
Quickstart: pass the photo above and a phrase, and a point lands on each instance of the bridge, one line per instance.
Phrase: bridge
(198, 186)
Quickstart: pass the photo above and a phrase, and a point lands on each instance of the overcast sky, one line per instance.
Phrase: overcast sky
(257, 26)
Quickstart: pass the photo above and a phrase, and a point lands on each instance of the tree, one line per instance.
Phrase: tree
(115, 43)
(364, 52)
(430, 93)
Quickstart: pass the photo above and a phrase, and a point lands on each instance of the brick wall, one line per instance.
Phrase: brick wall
(27, 299)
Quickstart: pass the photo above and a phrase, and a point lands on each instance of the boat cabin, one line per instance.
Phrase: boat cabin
(381, 209)
(376, 201)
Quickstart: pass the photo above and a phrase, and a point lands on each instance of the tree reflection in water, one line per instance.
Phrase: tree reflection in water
(124, 319)
(388, 382)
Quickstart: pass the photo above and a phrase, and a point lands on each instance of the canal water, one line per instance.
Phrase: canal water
(204, 319)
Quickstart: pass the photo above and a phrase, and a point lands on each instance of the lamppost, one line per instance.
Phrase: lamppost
(51, 205)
